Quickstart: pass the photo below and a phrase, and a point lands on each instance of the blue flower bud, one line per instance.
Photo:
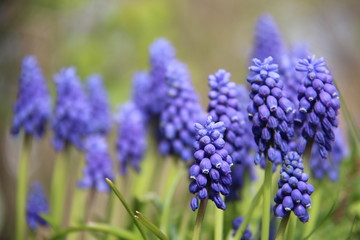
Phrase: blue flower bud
(194, 204)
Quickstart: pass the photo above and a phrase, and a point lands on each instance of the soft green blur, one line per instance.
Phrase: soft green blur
(111, 37)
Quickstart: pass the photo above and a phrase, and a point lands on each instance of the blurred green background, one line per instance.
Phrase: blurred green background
(111, 37)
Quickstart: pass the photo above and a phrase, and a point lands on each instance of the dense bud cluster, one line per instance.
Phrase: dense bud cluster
(32, 109)
(72, 110)
(99, 103)
(224, 106)
(131, 143)
(236, 224)
(211, 171)
(270, 111)
(37, 204)
(141, 87)
(294, 191)
(182, 110)
(319, 105)
(98, 164)
(321, 167)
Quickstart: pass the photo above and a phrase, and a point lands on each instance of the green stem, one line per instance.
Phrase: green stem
(249, 213)
(22, 189)
(58, 187)
(184, 224)
(150, 226)
(122, 200)
(313, 211)
(119, 233)
(291, 227)
(219, 224)
(199, 219)
(266, 201)
(282, 228)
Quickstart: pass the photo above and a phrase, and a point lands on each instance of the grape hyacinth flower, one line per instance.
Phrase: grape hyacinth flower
(294, 191)
(236, 223)
(32, 109)
(224, 106)
(270, 111)
(72, 110)
(99, 106)
(321, 167)
(182, 110)
(131, 143)
(319, 105)
(98, 164)
(211, 171)
(37, 204)
(141, 95)
(161, 53)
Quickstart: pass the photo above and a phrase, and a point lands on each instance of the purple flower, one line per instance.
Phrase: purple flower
(100, 121)
(318, 107)
(321, 167)
(236, 224)
(224, 106)
(72, 110)
(161, 53)
(294, 191)
(37, 204)
(211, 171)
(131, 142)
(142, 88)
(182, 110)
(98, 164)
(270, 111)
(33, 105)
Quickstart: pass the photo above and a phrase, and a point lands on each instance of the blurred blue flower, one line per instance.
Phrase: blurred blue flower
(294, 191)
(72, 110)
(37, 204)
(182, 110)
(131, 142)
(98, 164)
(141, 95)
(236, 224)
(32, 109)
(100, 113)
(211, 171)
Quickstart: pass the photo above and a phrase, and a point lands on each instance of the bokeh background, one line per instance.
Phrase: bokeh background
(111, 37)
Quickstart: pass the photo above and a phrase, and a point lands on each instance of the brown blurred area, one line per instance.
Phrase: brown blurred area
(111, 37)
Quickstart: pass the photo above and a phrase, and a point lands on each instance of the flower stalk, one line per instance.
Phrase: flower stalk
(266, 201)
(199, 219)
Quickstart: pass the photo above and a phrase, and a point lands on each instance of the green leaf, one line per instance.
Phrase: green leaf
(122, 200)
(149, 225)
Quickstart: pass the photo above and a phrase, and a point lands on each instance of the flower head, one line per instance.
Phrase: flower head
(318, 107)
(270, 111)
(100, 121)
(37, 204)
(98, 164)
(225, 106)
(182, 110)
(131, 142)
(161, 53)
(141, 95)
(211, 171)
(72, 110)
(32, 109)
(236, 224)
(294, 191)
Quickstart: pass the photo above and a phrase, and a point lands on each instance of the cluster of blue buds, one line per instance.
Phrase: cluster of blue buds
(161, 53)
(131, 143)
(98, 164)
(141, 95)
(37, 204)
(270, 111)
(72, 110)
(236, 224)
(99, 105)
(224, 106)
(211, 171)
(321, 167)
(319, 105)
(294, 191)
(32, 109)
(182, 110)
